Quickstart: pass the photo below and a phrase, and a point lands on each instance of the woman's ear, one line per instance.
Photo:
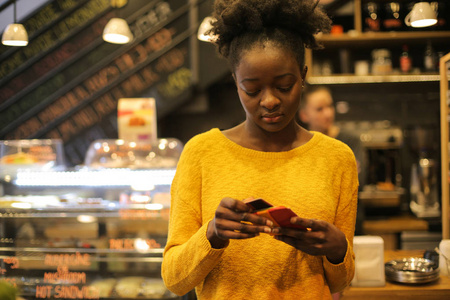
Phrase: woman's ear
(304, 72)
(235, 80)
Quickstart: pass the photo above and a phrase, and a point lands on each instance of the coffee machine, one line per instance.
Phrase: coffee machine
(424, 188)
(382, 193)
(424, 183)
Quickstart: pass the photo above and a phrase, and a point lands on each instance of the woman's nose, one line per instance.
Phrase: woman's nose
(269, 101)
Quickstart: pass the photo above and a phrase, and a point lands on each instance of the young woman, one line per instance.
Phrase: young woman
(215, 244)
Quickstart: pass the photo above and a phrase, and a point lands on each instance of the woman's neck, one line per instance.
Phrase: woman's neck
(260, 140)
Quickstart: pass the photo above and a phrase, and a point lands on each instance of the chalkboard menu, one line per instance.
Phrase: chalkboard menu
(72, 92)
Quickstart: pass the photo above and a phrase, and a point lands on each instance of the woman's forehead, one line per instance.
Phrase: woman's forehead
(272, 57)
(319, 98)
(267, 47)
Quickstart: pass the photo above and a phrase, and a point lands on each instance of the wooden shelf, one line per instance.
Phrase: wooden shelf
(354, 79)
(394, 225)
(357, 38)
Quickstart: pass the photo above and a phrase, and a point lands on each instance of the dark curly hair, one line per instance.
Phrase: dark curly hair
(289, 24)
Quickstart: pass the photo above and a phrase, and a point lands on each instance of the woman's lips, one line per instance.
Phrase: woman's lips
(271, 118)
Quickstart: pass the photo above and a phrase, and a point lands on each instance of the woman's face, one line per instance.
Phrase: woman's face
(318, 112)
(269, 83)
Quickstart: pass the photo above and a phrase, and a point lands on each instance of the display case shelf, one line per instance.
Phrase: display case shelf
(94, 258)
(120, 211)
(93, 178)
(80, 250)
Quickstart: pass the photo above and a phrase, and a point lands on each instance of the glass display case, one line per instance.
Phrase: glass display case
(16, 155)
(94, 232)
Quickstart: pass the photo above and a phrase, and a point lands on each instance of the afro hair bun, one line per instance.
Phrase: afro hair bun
(236, 17)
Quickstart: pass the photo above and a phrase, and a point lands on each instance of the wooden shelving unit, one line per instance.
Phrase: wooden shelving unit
(445, 118)
(366, 41)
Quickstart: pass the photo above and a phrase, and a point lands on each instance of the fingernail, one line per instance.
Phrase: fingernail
(267, 230)
(269, 223)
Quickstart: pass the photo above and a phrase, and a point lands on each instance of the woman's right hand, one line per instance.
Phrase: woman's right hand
(233, 220)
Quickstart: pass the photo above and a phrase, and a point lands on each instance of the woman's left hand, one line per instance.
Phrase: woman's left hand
(321, 238)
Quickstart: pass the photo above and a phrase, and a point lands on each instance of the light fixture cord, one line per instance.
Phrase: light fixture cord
(116, 5)
(15, 12)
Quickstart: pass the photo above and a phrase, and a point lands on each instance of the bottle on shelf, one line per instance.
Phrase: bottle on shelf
(392, 20)
(381, 62)
(405, 60)
(429, 58)
(441, 9)
(371, 17)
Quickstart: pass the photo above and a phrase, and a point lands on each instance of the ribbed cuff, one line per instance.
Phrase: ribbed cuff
(206, 245)
(340, 275)
(334, 267)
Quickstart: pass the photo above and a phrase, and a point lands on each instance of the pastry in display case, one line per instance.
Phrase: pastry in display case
(33, 154)
(133, 155)
(96, 231)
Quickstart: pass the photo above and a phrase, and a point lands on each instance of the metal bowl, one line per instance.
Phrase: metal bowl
(412, 270)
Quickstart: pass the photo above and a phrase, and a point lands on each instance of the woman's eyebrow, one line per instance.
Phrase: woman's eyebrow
(276, 77)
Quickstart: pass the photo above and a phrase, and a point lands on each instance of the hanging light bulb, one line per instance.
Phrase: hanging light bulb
(15, 34)
(204, 27)
(422, 15)
(117, 30)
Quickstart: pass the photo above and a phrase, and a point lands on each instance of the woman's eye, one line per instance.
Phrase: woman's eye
(285, 89)
(252, 94)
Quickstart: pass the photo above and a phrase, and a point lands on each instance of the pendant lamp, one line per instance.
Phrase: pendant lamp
(204, 27)
(422, 15)
(117, 30)
(15, 34)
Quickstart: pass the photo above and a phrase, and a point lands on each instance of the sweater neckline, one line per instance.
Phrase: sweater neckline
(226, 142)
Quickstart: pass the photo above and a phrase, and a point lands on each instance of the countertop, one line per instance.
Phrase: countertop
(439, 289)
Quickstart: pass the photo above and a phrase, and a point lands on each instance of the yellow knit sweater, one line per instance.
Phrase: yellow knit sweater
(316, 180)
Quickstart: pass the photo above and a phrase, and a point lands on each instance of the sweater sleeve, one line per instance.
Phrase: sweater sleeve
(188, 255)
(340, 275)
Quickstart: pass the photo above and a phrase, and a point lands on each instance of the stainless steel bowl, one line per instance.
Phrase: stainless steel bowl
(412, 270)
